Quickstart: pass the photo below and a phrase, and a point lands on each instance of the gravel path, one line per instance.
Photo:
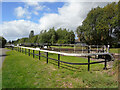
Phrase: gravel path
(2, 55)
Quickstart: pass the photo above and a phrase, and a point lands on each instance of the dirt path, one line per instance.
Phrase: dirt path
(2, 55)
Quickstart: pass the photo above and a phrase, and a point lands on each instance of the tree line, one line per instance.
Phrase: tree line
(52, 36)
(101, 26)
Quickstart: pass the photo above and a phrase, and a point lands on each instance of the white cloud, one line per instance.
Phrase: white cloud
(39, 7)
(19, 28)
(36, 2)
(36, 13)
(25, 12)
(70, 16)
(20, 12)
(32, 3)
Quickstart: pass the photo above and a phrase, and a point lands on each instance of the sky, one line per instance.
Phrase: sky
(19, 18)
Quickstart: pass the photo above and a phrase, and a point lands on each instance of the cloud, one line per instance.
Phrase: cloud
(20, 12)
(36, 13)
(69, 16)
(39, 7)
(19, 28)
(26, 12)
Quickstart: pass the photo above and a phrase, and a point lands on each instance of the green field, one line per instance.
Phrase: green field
(23, 71)
(114, 50)
(69, 47)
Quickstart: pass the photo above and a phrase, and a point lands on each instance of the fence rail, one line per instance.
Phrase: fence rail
(27, 50)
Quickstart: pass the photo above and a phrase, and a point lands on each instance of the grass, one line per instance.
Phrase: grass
(23, 71)
(0, 78)
(63, 47)
(114, 50)
(69, 47)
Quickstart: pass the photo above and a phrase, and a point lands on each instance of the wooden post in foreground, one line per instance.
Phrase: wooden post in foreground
(33, 53)
(20, 49)
(88, 59)
(58, 60)
(39, 55)
(29, 52)
(47, 56)
(25, 51)
(105, 64)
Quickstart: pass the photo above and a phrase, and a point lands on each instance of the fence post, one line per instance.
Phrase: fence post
(33, 53)
(58, 60)
(47, 56)
(25, 51)
(88, 59)
(105, 64)
(39, 55)
(29, 51)
(74, 48)
(97, 49)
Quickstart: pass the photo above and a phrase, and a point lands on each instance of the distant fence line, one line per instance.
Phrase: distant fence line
(75, 49)
(107, 56)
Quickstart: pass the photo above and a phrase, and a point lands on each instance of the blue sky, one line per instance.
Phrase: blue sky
(8, 13)
(19, 18)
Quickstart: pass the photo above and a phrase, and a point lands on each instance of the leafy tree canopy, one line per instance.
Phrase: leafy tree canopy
(100, 26)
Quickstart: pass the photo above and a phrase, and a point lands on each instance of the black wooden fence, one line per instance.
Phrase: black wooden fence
(28, 51)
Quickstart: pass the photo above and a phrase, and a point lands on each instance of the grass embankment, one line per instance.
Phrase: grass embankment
(22, 71)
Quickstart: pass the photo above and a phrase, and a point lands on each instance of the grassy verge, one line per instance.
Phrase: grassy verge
(23, 71)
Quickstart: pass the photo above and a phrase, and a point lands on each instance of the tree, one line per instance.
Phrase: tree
(31, 34)
(100, 26)
(2, 42)
(52, 36)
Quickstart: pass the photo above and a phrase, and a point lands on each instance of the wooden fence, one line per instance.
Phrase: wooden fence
(27, 50)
